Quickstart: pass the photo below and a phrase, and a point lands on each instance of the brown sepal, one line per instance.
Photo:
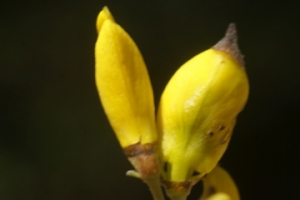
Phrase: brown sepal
(143, 158)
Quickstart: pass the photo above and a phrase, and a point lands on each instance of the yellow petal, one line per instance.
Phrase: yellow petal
(219, 181)
(123, 84)
(197, 113)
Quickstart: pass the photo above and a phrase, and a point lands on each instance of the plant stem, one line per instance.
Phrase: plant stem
(155, 188)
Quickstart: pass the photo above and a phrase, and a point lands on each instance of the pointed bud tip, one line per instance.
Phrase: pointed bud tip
(228, 44)
(104, 15)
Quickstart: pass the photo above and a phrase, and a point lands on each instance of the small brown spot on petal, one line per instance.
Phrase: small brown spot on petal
(221, 128)
(210, 133)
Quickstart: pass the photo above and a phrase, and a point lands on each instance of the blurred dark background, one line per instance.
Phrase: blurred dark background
(56, 142)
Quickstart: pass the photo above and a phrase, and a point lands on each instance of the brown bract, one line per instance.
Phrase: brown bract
(229, 45)
(143, 158)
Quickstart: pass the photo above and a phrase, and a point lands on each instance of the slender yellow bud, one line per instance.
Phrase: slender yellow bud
(123, 84)
(198, 110)
(218, 182)
(126, 94)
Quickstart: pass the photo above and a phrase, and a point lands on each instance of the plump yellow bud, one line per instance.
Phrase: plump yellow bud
(123, 84)
(198, 110)
(218, 182)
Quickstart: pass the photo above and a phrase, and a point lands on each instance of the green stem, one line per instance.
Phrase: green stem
(155, 187)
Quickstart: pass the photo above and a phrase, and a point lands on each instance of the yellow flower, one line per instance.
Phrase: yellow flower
(197, 113)
(123, 84)
(126, 94)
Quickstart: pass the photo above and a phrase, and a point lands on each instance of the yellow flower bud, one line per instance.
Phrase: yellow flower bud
(219, 181)
(198, 110)
(123, 84)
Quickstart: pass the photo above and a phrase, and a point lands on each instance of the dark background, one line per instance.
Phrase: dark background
(56, 142)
